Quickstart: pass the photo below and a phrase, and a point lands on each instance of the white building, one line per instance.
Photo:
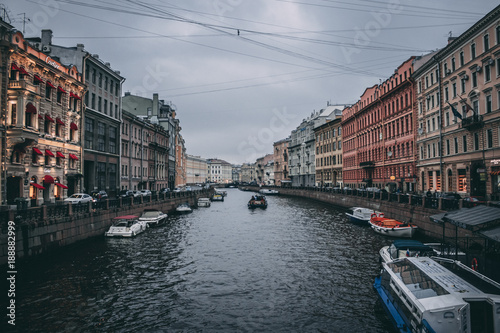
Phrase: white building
(196, 170)
(219, 171)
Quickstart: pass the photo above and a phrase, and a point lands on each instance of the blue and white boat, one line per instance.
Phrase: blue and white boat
(360, 214)
(431, 295)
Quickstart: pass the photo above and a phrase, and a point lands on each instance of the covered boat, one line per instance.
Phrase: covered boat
(391, 227)
(360, 214)
(126, 226)
(217, 197)
(204, 202)
(402, 248)
(183, 208)
(257, 201)
(422, 294)
(269, 192)
(153, 217)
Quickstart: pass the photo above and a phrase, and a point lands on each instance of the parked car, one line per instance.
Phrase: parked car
(126, 193)
(136, 194)
(473, 201)
(187, 188)
(145, 193)
(451, 196)
(164, 190)
(79, 198)
(176, 190)
(99, 195)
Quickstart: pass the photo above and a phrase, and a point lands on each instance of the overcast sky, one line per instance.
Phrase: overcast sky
(244, 73)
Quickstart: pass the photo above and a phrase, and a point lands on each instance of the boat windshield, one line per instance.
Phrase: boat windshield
(122, 224)
(150, 214)
(418, 282)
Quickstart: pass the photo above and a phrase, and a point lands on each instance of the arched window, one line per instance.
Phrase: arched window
(29, 115)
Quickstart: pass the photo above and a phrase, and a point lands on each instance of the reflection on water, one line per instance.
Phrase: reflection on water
(296, 266)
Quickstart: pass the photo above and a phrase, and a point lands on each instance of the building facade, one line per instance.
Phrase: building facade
(219, 171)
(196, 170)
(264, 169)
(101, 117)
(329, 151)
(180, 161)
(247, 173)
(379, 137)
(281, 173)
(458, 102)
(42, 113)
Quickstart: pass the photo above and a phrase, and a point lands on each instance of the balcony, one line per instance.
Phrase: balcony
(24, 85)
(473, 122)
(367, 164)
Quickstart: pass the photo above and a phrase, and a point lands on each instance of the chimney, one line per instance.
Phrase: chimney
(451, 39)
(46, 37)
(155, 104)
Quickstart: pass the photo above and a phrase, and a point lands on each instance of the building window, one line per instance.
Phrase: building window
(489, 135)
(106, 83)
(486, 42)
(112, 140)
(462, 86)
(462, 60)
(105, 107)
(452, 64)
(447, 118)
(48, 90)
(101, 175)
(476, 141)
(487, 73)
(93, 101)
(13, 114)
(462, 180)
(93, 75)
(101, 134)
(446, 94)
(112, 176)
(454, 87)
(498, 34)
(488, 104)
(474, 79)
(99, 103)
(464, 143)
(89, 133)
(447, 147)
(473, 51)
(456, 144)
(475, 106)
(100, 80)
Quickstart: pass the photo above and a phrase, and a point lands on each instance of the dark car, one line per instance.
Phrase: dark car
(126, 193)
(451, 196)
(99, 195)
(473, 201)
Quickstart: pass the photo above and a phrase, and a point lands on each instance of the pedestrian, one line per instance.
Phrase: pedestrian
(429, 193)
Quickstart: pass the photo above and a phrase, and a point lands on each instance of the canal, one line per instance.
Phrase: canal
(299, 266)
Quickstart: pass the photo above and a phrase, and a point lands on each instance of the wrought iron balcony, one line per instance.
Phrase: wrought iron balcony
(473, 122)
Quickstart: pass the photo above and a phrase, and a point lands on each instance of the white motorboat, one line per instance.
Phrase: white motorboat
(204, 202)
(422, 294)
(391, 227)
(402, 248)
(183, 208)
(360, 214)
(266, 191)
(221, 192)
(153, 217)
(126, 226)
(217, 197)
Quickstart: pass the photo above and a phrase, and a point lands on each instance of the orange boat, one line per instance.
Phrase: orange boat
(391, 227)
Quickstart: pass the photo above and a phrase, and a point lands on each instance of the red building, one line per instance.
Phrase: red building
(379, 138)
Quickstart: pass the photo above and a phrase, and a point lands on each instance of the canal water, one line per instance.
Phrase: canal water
(299, 266)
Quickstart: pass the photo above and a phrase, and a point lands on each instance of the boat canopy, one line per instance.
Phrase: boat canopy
(403, 244)
(126, 217)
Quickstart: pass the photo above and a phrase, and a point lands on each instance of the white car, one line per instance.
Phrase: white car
(79, 198)
(145, 193)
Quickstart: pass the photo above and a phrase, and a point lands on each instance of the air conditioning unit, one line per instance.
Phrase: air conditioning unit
(466, 77)
(46, 48)
(448, 71)
(479, 69)
(491, 62)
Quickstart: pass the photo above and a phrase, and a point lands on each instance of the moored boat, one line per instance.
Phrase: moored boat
(183, 208)
(402, 248)
(391, 227)
(217, 197)
(266, 191)
(126, 226)
(153, 217)
(204, 202)
(422, 294)
(360, 214)
(257, 201)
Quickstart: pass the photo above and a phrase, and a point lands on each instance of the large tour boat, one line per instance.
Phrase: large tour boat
(257, 201)
(391, 227)
(423, 295)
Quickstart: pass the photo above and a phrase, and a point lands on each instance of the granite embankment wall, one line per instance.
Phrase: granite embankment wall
(406, 212)
(47, 228)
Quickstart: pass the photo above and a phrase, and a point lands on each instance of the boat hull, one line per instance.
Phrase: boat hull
(126, 232)
(403, 232)
(355, 219)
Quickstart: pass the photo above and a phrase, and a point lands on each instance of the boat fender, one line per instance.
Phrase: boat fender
(474, 264)
(381, 215)
(373, 215)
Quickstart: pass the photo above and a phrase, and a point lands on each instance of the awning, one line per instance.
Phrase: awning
(50, 84)
(48, 153)
(59, 154)
(74, 96)
(37, 78)
(73, 157)
(48, 118)
(14, 67)
(494, 173)
(47, 179)
(61, 186)
(61, 90)
(30, 108)
(40, 116)
(37, 151)
(475, 218)
(38, 186)
(73, 126)
(59, 121)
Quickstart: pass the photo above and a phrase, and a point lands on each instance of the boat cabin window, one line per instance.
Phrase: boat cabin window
(418, 282)
(151, 214)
